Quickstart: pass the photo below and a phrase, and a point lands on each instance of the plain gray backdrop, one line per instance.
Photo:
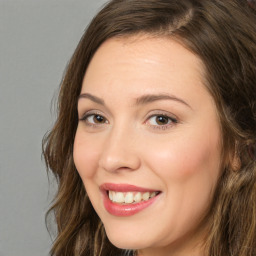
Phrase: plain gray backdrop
(37, 38)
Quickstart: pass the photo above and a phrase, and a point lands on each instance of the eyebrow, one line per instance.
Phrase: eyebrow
(142, 100)
(148, 98)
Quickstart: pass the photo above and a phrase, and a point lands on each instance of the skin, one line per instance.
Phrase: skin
(127, 145)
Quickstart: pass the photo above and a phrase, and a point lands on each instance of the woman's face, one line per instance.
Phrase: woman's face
(147, 146)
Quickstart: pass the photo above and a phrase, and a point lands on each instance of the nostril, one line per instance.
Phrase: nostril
(119, 161)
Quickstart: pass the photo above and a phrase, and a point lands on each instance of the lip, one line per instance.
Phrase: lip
(125, 188)
(125, 210)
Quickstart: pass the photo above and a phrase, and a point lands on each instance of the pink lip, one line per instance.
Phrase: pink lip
(124, 188)
(123, 210)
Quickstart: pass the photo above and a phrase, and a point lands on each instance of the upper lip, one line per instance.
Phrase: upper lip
(121, 187)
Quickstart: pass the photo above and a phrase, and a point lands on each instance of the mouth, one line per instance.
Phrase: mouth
(126, 200)
(130, 197)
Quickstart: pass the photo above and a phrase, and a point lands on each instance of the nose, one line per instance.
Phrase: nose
(120, 152)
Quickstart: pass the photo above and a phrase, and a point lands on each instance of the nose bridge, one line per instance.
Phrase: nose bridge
(119, 150)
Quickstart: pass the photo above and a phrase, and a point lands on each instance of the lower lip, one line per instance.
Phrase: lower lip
(124, 210)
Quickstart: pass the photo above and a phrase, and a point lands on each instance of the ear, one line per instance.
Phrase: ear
(235, 162)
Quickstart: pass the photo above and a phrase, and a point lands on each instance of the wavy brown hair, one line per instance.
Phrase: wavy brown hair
(222, 33)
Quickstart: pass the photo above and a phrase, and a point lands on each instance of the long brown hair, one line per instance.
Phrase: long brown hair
(222, 33)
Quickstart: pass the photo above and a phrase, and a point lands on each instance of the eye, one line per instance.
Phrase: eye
(94, 119)
(161, 121)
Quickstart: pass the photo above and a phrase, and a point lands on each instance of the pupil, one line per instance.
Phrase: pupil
(162, 120)
(98, 119)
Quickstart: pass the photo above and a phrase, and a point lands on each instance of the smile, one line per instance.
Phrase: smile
(130, 197)
(125, 200)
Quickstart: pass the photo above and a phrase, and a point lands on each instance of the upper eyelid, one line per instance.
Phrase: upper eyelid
(107, 111)
(162, 113)
(90, 112)
(155, 112)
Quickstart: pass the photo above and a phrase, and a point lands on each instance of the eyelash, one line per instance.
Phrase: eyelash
(91, 114)
(171, 120)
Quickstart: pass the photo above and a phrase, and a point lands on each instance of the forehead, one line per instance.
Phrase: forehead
(144, 64)
(148, 52)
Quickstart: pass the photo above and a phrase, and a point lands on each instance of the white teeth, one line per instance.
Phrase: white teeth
(130, 197)
(118, 197)
(145, 196)
(137, 197)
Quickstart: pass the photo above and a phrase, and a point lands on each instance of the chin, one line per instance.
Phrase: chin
(127, 241)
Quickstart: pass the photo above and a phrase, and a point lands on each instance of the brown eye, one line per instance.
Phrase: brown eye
(94, 119)
(97, 119)
(162, 120)
(157, 120)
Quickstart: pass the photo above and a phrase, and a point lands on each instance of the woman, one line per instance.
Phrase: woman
(154, 145)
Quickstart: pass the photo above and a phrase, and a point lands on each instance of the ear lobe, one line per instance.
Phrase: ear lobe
(233, 159)
(235, 163)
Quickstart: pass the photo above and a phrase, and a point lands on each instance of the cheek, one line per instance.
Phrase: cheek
(182, 157)
(189, 172)
(190, 169)
(86, 155)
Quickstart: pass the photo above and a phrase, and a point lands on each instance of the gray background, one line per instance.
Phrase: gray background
(37, 38)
